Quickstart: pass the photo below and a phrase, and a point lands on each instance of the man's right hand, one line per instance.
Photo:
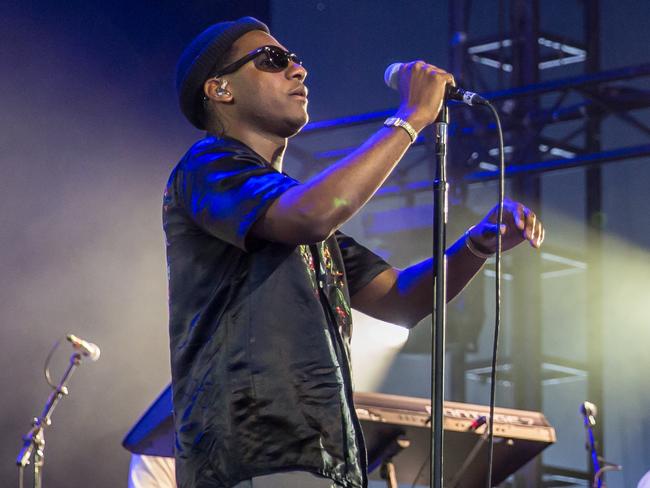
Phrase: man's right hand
(312, 211)
(422, 91)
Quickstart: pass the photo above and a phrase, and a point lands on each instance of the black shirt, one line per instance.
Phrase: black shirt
(259, 331)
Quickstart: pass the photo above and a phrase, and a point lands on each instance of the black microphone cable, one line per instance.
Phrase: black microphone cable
(497, 285)
(470, 98)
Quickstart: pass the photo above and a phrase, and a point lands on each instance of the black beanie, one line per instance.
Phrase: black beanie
(199, 59)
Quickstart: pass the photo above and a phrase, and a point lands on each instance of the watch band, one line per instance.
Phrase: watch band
(397, 122)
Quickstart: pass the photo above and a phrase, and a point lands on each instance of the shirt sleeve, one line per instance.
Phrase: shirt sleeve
(225, 192)
(361, 264)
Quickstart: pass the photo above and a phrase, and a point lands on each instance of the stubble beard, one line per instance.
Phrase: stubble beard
(287, 126)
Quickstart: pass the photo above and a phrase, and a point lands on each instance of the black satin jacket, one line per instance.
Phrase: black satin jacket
(259, 331)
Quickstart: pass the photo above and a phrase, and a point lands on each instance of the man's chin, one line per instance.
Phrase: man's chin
(295, 126)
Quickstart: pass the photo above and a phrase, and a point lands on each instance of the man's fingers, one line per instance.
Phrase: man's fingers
(531, 219)
(528, 219)
(519, 215)
(450, 79)
(528, 226)
(540, 234)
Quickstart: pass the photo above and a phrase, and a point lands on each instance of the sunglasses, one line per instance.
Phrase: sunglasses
(271, 59)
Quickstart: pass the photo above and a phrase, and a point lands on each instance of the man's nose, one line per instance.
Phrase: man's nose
(296, 71)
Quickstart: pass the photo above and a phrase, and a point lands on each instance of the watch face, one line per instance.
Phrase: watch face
(393, 122)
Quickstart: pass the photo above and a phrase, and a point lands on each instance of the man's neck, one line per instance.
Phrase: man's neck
(270, 147)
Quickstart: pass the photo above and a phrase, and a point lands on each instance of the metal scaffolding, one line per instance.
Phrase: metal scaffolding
(553, 99)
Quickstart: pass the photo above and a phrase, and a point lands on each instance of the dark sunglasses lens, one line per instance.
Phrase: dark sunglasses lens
(277, 60)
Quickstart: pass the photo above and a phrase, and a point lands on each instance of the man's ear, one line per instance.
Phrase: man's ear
(215, 89)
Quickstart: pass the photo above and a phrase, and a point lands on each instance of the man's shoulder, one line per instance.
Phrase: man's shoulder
(211, 149)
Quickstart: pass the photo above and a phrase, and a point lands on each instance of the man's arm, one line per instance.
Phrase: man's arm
(312, 211)
(405, 297)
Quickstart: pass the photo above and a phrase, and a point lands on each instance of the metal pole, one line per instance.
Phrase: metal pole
(440, 188)
(594, 217)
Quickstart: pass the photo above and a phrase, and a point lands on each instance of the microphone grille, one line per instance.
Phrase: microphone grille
(588, 408)
(390, 75)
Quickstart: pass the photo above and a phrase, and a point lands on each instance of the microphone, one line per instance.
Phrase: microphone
(451, 92)
(589, 411)
(88, 349)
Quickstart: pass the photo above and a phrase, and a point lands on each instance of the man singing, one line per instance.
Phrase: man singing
(261, 281)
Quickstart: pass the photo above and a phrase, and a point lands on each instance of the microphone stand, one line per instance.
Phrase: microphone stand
(591, 447)
(440, 188)
(589, 412)
(470, 458)
(34, 440)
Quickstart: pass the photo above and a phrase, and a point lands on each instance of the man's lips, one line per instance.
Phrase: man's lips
(299, 92)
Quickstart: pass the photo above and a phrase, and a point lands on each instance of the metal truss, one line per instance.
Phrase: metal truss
(550, 125)
(601, 92)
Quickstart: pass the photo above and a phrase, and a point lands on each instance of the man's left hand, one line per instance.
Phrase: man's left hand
(519, 224)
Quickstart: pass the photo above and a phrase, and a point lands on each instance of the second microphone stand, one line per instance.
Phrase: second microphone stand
(440, 188)
(34, 440)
